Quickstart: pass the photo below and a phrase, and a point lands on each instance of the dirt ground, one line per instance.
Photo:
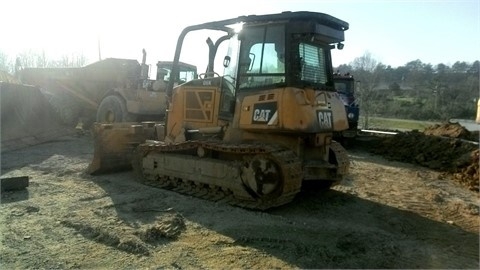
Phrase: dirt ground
(386, 214)
(446, 147)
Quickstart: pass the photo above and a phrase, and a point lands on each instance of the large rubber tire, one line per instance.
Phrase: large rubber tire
(113, 109)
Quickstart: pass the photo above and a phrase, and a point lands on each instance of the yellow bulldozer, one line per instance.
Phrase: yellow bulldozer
(250, 131)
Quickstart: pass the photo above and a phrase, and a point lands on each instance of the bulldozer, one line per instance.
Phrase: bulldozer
(109, 90)
(252, 132)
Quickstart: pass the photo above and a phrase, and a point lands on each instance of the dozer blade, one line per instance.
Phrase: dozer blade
(114, 145)
(27, 117)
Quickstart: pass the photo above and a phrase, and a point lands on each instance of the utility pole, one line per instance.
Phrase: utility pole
(99, 51)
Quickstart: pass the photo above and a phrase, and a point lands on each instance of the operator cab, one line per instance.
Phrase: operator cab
(271, 59)
(186, 72)
(295, 52)
(345, 86)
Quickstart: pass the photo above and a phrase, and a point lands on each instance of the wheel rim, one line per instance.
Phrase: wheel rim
(262, 177)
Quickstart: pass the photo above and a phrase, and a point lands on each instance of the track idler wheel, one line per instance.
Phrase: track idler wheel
(262, 177)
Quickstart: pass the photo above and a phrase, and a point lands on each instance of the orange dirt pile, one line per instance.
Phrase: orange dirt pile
(452, 130)
(444, 147)
(469, 175)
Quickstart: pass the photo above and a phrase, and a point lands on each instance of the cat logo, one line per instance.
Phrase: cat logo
(263, 113)
(325, 119)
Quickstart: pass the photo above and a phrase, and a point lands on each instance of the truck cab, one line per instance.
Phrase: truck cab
(345, 86)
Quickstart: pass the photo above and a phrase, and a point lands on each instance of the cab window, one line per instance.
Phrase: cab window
(262, 57)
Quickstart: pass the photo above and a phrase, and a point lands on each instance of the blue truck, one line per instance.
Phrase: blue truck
(345, 86)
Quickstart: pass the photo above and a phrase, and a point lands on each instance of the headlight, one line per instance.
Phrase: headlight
(351, 116)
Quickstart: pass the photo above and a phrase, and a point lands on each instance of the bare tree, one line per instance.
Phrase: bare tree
(32, 59)
(5, 63)
(366, 62)
(367, 72)
(41, 60)
(73, 60)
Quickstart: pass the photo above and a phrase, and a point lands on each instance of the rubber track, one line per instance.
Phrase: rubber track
(289, 162)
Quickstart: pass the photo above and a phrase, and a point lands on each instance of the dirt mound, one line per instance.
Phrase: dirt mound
(451, 130)
(469, 175)
(444, 148)
(26, 117)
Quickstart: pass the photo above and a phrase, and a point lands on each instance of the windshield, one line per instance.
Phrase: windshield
(344, 86)
(185, 73)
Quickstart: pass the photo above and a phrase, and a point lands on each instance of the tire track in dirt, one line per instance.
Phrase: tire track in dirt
(420, 190)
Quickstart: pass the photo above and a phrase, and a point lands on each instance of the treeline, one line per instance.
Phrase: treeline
(417, 90)
(33, 59)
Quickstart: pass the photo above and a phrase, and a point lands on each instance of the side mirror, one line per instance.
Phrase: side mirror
(226, 61)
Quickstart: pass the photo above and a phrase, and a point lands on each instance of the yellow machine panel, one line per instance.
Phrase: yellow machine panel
(291, 109)
(199, 105)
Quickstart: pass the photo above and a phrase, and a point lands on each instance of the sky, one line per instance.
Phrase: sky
(393, 32)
